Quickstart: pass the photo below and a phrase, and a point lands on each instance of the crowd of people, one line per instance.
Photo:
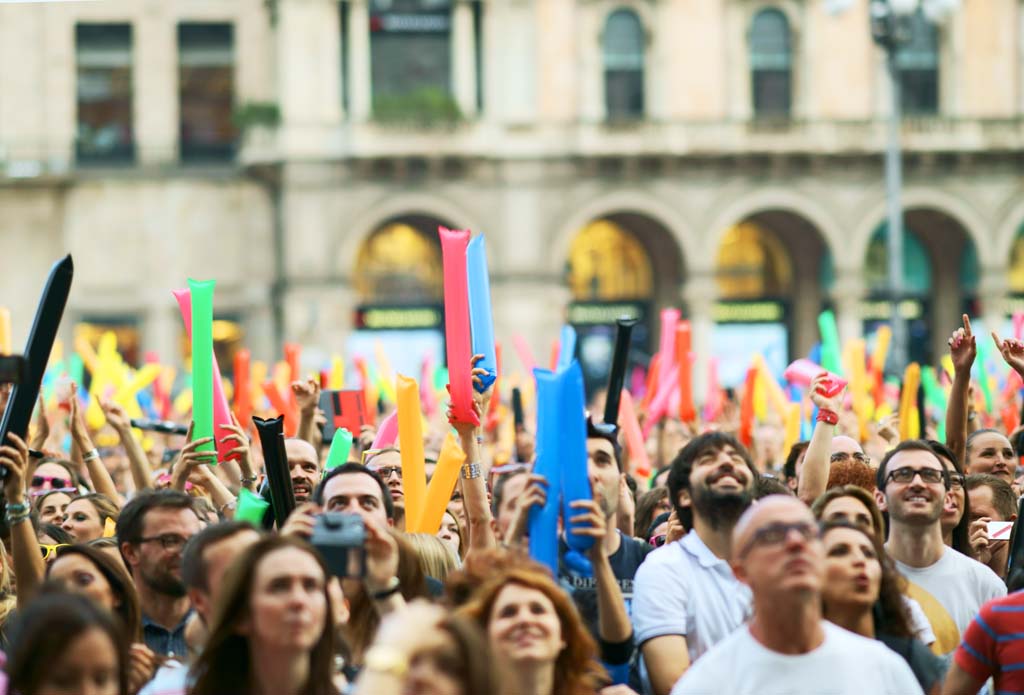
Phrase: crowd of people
(854, 563)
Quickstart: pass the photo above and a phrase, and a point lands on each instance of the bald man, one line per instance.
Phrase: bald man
(825, 445)
(787, 646)
(303, 467)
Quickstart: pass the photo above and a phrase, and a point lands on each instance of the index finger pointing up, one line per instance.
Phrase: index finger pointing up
(967, 325)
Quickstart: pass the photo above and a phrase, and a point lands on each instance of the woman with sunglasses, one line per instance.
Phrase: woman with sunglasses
(51, 538)
(53, 474)
(87, 517)
(862, 593)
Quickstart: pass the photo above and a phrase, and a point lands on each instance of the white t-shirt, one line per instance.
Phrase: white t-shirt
(684, 589)
(951, 593)
(844, 664)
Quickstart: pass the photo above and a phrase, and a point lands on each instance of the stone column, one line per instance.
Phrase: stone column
(847, 294)
(463, 49)
(993, 292)
(359, 89)
(309, 75)
(161, 331)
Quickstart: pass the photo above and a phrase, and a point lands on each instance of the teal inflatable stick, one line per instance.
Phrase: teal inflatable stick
(337, 455)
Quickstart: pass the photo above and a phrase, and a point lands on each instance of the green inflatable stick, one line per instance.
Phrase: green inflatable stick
(251, 508)
(932, 391)
(76, 368)
(984, 355)
(202, 361)
(340, 446)
(831, 352)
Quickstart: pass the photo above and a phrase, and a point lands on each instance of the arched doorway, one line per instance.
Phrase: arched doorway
(766, 274)
(623, 264)
(940, 281)
(398, 280)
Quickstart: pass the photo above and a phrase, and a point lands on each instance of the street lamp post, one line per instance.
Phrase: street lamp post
(890, 28)
(892, 23)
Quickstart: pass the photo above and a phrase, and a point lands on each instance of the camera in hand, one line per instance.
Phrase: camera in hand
(341, 541)
(13, 369)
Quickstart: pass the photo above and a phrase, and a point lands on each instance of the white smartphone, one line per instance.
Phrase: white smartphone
(999, 530)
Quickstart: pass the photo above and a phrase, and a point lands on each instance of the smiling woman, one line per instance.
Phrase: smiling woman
(540, 644)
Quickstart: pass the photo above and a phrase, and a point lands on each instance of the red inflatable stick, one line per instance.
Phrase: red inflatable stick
(456, 323)
(746, 433)
(651, 387)
(687, 413)
(638, 459)
(221, 413)
(243, 388)
(279, 403)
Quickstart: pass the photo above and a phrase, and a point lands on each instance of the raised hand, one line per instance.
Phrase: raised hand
(963, 347)
(116, 415)
(307, 395)
(1012, 352)
(835, 403)
(14, 457)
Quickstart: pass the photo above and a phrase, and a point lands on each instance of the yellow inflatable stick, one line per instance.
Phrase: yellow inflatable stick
(337, 378)
(442, 484)
(909, 424)
(5, 331)
(410, 437)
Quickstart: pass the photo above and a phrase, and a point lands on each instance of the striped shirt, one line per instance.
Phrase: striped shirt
(993, 645)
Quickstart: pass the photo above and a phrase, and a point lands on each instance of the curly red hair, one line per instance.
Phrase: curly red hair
(577, 670)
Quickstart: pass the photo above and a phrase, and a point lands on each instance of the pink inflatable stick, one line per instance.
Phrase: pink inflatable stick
(388, 432)
(802, 372)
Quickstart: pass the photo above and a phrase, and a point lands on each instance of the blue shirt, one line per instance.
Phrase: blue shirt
(164, 642)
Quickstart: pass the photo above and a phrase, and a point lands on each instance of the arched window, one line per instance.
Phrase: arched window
(398, 264)
(607, 262)
(752, 263)
(771, 74)
(917, 265)
(623, 66)
(918, 66)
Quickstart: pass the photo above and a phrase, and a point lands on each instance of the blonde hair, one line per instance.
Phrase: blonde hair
(8, 597)
(435, 557)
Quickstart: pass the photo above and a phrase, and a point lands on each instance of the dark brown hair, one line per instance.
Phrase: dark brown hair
(44, 631)
(121, 585)
(890, 612)
(225, 665)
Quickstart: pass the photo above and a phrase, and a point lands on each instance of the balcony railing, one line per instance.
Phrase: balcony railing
(486, 138)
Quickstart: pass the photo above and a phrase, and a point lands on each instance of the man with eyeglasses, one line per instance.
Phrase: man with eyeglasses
(825, 447)
(912, 488)
(387, 463)
(788, 646)
(153, 529)
(685, 597)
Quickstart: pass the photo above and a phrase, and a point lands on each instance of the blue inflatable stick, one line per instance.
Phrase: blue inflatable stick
(481, 322)
(567, 348)
(573, 452)
(543, 521)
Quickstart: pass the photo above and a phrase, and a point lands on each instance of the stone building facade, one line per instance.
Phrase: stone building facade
(731, 149)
